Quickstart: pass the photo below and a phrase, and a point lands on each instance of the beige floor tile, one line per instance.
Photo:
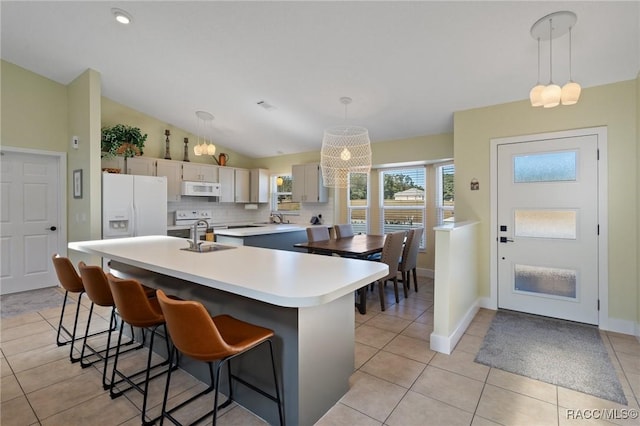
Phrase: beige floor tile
(46, 375)
(5, 369)
(373, 336)
(478, 328)
(199, 407)
(625, 345)
(38, 357)
(240, 416)
(469, 343)
(393, 368)
(419, 330)
(481, 421)
(341, 415)
(388, 322)
(523, 385)
(10, 388)
(371, 396)
(634, 382)
(450, 388)
(17, 412)
(573, 400)
(63, 395)
(100, 410)
(363, 353)
(462, 363)
(415, 303)
(24, 330)
(510, 408)
(27, 343)
(416, 409)
(408, 347)
(426, 318)
(18, 320)
(630, 362)
(404, 312)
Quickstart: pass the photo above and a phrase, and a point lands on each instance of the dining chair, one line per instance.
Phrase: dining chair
(343, 230)
(220, 339)
(317, 233)
(409, 262)
(391, 252)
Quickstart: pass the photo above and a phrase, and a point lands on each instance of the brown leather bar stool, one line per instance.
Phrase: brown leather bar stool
(72, 283)
(137, 310)
(212, 339)
(97, 288)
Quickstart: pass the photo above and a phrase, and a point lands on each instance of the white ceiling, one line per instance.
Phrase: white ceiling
(407, 65)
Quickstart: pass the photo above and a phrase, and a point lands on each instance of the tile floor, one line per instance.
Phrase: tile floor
(397, 380)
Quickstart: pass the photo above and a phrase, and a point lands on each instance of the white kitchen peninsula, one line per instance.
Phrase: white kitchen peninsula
(308, 300)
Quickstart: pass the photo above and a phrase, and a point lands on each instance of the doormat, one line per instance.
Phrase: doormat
(30, 301)
(554, 351)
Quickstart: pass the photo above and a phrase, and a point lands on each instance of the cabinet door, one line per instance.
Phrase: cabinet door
(113, 163)
(226, 176)
(173, 171)
(298, 177)
(242, 185)
(141, 166)
(259, 186)
(209, 173)
(191, 172)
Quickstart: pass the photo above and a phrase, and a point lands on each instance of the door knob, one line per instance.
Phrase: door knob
(53, 228)
(505, 240)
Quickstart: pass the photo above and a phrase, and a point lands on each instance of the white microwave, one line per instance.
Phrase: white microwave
(201, 189)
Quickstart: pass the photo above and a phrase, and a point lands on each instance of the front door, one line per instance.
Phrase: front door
(548, 227)
(28, 221)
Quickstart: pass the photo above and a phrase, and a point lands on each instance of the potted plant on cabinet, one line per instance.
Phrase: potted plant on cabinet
(123, 140)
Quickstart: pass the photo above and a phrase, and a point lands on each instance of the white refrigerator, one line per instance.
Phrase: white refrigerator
(133, 205)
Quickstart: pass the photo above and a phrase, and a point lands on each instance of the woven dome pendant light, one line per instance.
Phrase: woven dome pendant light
(345, 149)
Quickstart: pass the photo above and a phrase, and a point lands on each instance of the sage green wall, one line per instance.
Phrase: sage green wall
(115, 113)
(638, 203)
(612, 105)
(34, 110)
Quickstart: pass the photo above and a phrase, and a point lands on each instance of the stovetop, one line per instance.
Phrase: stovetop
(189, 217)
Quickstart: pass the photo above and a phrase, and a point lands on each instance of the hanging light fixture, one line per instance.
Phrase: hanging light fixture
(204, 128)
(547, 28)
(345, 149)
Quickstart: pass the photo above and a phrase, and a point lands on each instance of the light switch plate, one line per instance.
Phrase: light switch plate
(75, 142)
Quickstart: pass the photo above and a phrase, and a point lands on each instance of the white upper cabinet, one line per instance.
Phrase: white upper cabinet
(242, 193)
(199, 172)
(307, 184)
(259, 186)
(227, 181)
(144, 166)
(113, 163)
(173, 171)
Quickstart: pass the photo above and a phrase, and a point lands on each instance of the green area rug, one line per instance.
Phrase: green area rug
(562, 353)
(30, 301)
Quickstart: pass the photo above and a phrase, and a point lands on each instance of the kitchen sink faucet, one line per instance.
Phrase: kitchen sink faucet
(195, 244)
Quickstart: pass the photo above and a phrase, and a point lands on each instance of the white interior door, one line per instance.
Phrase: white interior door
(29, 222)
(548, 227)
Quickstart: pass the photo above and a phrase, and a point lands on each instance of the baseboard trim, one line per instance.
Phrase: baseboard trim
(620, 326)
(446, 344)
(487, 303)
(422, 272)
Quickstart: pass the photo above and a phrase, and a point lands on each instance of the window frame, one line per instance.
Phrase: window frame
(440, 208)
(274, 194)
(365, 208)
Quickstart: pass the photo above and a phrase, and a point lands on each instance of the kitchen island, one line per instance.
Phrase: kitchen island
(308, 301)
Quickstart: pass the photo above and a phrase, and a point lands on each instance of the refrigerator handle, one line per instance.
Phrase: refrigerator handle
(134, 220)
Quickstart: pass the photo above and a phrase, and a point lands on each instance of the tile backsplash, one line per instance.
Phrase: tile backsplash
(225, 213)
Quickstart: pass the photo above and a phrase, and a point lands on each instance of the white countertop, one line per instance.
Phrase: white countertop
(283, 278)
(252, 229)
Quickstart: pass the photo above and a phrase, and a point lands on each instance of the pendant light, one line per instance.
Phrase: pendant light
(547, 28)
(345, 149)
(204, 127)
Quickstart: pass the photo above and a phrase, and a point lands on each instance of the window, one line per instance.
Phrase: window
(403, 199)
(281, 194)
(358, 202)
(445, 197)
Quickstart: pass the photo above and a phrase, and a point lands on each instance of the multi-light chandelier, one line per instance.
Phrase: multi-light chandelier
(204, 128)
(345, 149)
(547, 28)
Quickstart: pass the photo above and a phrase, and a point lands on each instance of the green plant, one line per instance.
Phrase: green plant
(122, 140)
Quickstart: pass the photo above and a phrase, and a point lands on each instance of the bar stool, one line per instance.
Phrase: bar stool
(209, 339)
(97, 288)
(137, 310)
(72, 283)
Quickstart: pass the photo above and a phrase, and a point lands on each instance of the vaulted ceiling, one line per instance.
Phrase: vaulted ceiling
(407, 65)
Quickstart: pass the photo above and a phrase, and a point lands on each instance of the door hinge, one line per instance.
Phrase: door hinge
(598, 230)
(598, 304)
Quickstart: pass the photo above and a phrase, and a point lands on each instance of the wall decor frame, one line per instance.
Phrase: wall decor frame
(77, 183)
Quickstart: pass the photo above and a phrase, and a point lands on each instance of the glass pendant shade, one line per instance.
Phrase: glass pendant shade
(570, 93)
(551, 95)
(345, 149)
(197, 150)
(211, 149)
(535, 95)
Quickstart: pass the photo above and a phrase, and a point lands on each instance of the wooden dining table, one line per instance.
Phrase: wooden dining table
(359, 246)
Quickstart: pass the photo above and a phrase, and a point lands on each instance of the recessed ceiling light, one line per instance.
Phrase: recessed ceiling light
(266, 105)
(121, 16)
